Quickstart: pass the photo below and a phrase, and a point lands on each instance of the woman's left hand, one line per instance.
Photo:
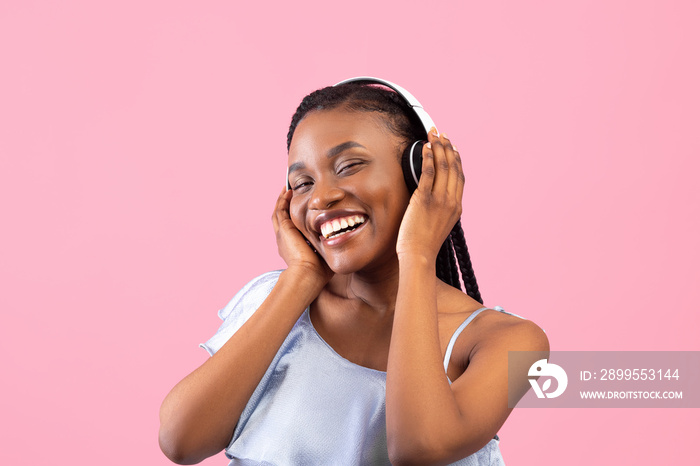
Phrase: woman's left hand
(436, 205)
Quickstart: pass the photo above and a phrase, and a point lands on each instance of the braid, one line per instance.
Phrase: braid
(401, 120)
(442, 264)
(465, 262)
(452, 264)
(447, 262)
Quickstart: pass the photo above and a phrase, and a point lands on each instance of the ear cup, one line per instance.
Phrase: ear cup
(412, 164)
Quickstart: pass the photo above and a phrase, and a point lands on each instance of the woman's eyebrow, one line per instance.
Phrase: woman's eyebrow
(332, 152)
(342, 147)
(295, 166)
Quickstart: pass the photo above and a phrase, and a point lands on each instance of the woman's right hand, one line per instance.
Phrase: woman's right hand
(199, 415)
(293, 246)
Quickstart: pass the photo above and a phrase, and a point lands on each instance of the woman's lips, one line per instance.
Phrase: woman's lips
(342, 237)
(329, 215)
(340, 225)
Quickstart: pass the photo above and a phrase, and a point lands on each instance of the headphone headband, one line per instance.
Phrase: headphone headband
(407, 96)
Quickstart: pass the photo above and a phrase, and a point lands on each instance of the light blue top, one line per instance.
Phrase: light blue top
(312, 406)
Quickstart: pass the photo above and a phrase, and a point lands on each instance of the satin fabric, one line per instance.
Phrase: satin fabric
(312, 406)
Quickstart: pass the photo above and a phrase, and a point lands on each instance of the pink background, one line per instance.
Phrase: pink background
(142, 146)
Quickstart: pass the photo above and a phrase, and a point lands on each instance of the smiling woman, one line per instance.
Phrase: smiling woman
(348, 167)
(365, 350)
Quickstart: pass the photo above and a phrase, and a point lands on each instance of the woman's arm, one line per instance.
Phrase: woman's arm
(198, 417)
(430, 421)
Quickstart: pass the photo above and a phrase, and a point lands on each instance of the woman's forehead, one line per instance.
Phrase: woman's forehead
(323, 129)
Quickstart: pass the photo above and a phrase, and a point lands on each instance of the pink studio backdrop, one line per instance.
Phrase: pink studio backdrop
(142, 146)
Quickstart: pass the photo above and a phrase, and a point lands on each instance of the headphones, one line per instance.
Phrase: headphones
(412, 158)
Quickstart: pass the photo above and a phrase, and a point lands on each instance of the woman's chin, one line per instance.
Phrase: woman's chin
(343, 267)
(362, 265)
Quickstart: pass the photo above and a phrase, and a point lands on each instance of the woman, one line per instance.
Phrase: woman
(342, 357)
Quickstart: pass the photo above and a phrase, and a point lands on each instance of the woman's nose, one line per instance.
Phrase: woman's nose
(325, 195)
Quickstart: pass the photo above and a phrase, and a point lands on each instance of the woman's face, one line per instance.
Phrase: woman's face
(349, 192)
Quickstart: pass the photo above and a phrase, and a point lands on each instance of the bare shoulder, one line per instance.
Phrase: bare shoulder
(490, 332)
(454, 306)
(498, 330)
(488, 353)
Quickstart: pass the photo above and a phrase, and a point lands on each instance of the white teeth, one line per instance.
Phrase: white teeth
(337, 224)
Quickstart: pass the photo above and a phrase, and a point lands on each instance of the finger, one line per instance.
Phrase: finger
(425, 182)
(281, 211)
(461, 177)
(442, 168)
(454, 171)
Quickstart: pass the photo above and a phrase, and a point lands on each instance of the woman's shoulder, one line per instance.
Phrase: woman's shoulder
(255, 290)
(496, 333)
(511, 330)
(241, 307)
(488, 329)
(457, 306)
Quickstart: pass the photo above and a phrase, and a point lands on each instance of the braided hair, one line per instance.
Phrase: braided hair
(401, 120)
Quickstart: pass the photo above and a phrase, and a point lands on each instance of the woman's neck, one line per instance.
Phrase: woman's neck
(377, 290)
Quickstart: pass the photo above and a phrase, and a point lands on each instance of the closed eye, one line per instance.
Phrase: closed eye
(350, 168)
(301, 185)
